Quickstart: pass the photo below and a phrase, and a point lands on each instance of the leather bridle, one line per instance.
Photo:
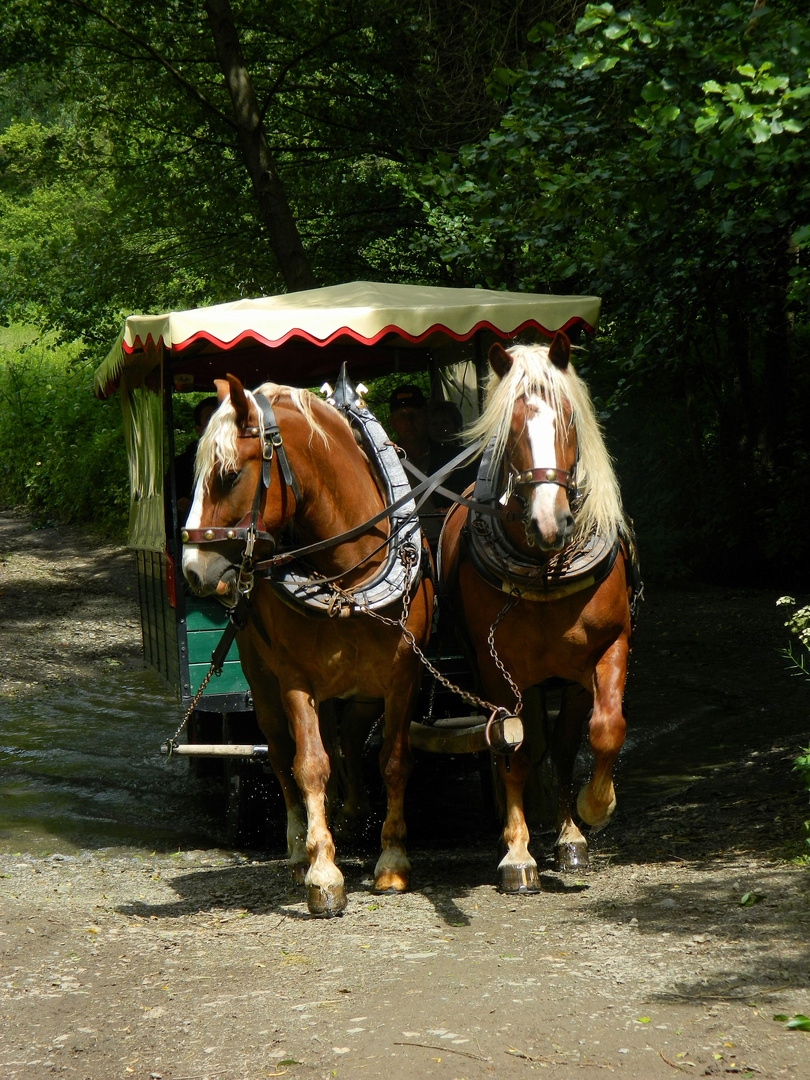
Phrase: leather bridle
(251, 529)
(534, 477)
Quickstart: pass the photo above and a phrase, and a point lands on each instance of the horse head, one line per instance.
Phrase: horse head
(238, 499)
(540, 447)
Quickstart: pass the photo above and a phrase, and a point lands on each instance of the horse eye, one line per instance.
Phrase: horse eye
(230, 477)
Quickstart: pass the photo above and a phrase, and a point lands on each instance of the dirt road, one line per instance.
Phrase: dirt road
(674, 955)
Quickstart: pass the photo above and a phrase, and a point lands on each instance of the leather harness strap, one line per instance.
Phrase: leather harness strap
(274, 442)
(423, 489)
(561, 477)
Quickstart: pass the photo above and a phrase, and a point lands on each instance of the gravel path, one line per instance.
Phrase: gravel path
(674, 955)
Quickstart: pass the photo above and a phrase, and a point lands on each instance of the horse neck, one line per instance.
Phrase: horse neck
(338, 493)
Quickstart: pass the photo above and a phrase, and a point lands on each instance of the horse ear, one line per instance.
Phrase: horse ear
(559, 352)
(231, 387)
(500, 360)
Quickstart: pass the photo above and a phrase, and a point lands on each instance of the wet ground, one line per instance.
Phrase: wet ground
(135, 942)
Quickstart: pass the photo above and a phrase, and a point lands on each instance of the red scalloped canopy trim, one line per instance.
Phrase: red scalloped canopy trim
(344, 331)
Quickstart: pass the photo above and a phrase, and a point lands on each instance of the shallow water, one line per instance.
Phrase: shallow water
(81, 769)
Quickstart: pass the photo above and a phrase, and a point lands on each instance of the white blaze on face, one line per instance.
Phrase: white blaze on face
(541, 433)
(193, 556)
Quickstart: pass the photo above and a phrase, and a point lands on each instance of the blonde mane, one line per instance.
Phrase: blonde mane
(218, 443)
(533, 374)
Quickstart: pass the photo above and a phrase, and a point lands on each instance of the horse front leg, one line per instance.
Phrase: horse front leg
(326, 892)
(272, 721)
(597, 799)
(517, 870)
(392, 874)
(570, 847)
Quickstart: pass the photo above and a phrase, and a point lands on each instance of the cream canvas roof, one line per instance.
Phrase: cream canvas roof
(360, 311)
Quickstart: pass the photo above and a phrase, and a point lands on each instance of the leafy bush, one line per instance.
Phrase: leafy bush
(62, 453)
(798, 623)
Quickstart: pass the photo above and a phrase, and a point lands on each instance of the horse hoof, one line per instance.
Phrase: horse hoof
(572, 857)
(298, 871)
(390, 882)
(326, 901)
(518, 879)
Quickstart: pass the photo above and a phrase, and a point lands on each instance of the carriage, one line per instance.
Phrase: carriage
(307, 339)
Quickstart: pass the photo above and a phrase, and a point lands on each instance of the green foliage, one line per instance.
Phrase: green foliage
(122, 181)
(657, 157)
(62, 454)
(799, 1022)
(798, 624)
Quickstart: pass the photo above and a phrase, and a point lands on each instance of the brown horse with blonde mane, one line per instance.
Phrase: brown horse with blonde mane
(527, 614)
(321, 485)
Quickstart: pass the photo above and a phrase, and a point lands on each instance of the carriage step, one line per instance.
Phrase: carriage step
(244, 750)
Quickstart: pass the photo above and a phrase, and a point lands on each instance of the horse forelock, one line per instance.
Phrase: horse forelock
(532, 374)
(219, 448)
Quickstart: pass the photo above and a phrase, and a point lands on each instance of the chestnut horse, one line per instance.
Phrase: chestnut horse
(312, 481)
(542, 432)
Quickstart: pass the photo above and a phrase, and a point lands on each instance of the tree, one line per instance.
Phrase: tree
(202, 133)
(193, 171)
(655, 157)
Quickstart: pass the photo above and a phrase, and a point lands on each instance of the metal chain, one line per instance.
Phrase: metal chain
(409, 559)
(514, 597)
(408, 556)
(172, 743)
(244, 586)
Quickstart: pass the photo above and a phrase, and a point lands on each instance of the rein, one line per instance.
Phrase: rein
(428, 485)
(253, 523)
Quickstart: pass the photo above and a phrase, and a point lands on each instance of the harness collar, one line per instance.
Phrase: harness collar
(578, 566)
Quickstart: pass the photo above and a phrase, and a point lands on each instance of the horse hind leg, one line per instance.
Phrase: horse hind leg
(357, 721)
(272, 720)
(570, 847)
(392, 874)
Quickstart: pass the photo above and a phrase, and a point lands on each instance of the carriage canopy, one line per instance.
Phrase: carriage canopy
(359, 313)
(301, 339)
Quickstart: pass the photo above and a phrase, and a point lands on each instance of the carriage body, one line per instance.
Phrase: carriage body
(299, 339)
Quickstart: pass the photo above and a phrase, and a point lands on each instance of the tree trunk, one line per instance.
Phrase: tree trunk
(274, 208)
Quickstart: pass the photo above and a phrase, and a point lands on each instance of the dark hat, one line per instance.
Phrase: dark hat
(211, 403)
(406, 397)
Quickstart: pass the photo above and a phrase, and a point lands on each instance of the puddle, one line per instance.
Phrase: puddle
(81, 769)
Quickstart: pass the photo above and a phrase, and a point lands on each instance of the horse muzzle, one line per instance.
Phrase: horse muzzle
(209, 572)
(548, 528)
